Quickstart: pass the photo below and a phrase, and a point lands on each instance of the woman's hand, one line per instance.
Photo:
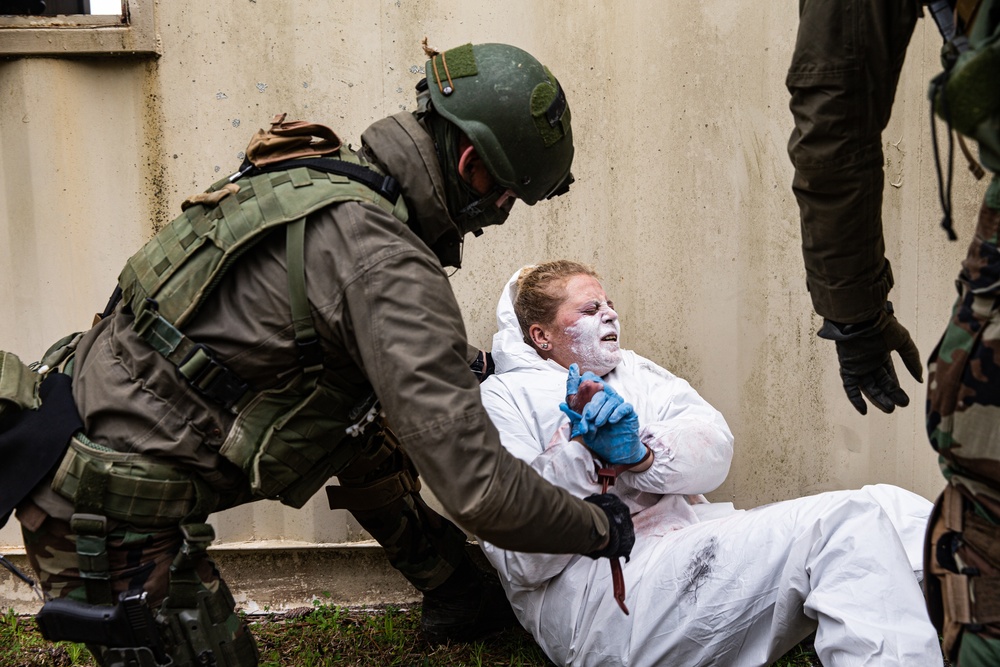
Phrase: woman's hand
(612, 428)
(602, 420)
(579, 391)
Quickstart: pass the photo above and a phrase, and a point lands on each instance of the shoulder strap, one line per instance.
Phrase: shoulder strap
(382, 184)
(310, 354)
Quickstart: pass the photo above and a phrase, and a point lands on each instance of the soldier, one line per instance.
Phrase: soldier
(256, 342)
(843, 80)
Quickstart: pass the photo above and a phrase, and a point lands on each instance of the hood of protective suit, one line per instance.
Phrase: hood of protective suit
(510, 352)
(402, 147)
(509, 349)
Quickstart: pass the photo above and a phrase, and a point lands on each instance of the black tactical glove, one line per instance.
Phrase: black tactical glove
(621, 533)
(865, 362)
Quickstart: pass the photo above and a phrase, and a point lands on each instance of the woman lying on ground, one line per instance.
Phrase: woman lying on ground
(706, 584)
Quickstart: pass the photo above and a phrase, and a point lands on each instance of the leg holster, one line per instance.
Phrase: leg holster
(197, 620)
(962, 561)
(201, 626)
(196, 624)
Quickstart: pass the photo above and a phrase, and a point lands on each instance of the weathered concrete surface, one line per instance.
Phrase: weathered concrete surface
(285, 578)
(682, 199)
(276, 576)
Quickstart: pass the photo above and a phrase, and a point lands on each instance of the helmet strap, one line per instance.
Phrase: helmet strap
(468, 209)
(482, 212)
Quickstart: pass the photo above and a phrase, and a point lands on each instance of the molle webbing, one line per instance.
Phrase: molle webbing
(196, 363)
(165, 283)
(18, 385)
(289, 450)
(131, 488)
(217, 236)
(970, 597)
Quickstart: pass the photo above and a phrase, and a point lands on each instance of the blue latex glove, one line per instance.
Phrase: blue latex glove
(573, 380)
(611, 428)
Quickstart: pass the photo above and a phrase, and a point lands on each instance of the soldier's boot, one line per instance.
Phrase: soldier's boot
(469, 605)
(461, 601)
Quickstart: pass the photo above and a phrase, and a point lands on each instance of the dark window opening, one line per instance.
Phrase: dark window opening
(60, 7)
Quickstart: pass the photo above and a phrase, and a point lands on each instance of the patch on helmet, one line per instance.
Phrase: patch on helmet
(453, 64)
(550, 110)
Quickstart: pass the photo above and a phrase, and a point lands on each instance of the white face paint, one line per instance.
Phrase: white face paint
(594, 341)
(586, 329)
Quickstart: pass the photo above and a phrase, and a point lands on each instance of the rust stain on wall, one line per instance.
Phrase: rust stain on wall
(153, 164)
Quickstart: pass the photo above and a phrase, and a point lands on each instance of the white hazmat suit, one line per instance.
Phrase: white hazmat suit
(706, 584)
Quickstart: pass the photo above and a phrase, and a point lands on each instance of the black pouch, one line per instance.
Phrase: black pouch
(34, 431)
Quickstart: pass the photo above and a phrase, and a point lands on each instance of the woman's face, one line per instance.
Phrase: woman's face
(585, 330)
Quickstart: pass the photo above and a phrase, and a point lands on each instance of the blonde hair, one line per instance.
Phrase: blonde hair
(541, 290)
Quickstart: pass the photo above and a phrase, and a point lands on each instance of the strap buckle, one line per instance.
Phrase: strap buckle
(197, 538)
(89, 524)
(212, 378)
(310, 355)
(607, 476)
(197, 532)
(146, 316)
(390, 189)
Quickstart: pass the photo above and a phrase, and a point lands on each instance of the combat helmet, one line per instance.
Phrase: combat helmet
(514, 112)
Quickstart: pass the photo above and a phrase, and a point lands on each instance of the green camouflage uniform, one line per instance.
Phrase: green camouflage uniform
(963, 403)
(136, 560)
(963, 423)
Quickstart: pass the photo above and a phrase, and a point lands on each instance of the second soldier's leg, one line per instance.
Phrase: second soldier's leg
(962, 422)
(381, 491)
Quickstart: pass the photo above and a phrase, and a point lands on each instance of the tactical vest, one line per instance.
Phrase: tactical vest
(966, 95)
(284, 439)
(970, 102)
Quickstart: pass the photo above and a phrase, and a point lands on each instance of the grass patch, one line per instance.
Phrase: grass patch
(385, 636)
(380, 637)
(21, 646)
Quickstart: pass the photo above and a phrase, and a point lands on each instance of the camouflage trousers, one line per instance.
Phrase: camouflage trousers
(380, 488)
(137, 560)
(963, 424)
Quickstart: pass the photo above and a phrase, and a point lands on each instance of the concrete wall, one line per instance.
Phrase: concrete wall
(682, 199)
